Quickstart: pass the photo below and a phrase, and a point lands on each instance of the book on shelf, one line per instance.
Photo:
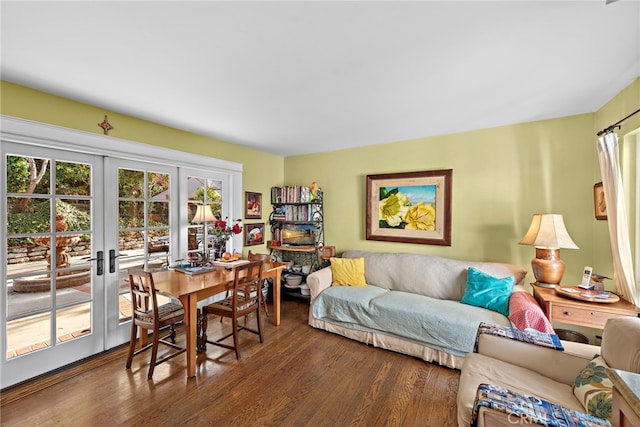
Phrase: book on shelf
(292, 213)
(291, 194)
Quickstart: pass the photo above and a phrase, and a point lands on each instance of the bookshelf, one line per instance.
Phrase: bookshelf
(297, 228)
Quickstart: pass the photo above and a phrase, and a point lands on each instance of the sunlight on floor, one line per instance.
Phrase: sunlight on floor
(32, 333)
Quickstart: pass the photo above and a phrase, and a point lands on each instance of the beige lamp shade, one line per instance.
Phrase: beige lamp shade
(203, 214)
(548, 234)
(548, 231)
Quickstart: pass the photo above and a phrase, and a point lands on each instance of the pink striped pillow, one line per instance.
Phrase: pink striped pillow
(524, 312)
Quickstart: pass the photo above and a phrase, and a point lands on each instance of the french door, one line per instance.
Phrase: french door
(71, 298)
(143, 232)
(70, 242)
(78, 210)
(52, 219)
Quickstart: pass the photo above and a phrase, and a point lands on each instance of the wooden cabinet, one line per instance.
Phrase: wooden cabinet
(581, 313)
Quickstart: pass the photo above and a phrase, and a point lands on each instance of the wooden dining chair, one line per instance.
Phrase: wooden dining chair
(243, 299)
(252, 256)
(149, 316)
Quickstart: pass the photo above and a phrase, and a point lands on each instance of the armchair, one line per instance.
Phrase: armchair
(543, 372)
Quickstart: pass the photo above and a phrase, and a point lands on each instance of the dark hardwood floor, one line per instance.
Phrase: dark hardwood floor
(299, 376)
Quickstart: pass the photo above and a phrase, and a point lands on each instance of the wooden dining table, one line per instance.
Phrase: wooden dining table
(193, 288)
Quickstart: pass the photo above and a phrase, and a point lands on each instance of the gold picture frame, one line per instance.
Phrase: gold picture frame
(410, 207)
(252, 205)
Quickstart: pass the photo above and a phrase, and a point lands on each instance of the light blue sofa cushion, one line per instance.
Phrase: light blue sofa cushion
(440, 324)
(346, 303)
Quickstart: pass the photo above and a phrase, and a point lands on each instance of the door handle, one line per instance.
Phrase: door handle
(100, 266)
(112, 260)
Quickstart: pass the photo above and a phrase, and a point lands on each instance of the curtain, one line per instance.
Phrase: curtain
(608, 155)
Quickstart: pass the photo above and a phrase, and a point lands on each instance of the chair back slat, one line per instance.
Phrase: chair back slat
(252, 256)
(143, 296)
(247, 284)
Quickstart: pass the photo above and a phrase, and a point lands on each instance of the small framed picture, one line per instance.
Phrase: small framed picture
(254, 234)
(599, 204)
(252, 205)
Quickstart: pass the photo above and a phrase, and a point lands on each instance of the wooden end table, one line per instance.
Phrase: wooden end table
(581, 313)
(626, 398)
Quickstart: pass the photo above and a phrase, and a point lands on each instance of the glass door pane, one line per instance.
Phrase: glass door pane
(203, 192)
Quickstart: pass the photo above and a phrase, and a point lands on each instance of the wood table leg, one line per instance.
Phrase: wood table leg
(276, 296)
(190, 323)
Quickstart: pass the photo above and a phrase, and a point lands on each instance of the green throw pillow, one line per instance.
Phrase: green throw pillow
(484, 290)
(593, 388)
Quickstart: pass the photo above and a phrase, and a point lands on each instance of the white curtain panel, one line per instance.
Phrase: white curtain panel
(608, 154)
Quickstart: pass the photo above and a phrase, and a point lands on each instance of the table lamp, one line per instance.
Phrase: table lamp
(548, 234)
(203, 215)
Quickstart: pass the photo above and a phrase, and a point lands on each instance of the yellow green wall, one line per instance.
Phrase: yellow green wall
(260, 170)
(501, 176)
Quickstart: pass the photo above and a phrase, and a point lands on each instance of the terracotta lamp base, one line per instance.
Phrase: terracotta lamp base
(547, 267)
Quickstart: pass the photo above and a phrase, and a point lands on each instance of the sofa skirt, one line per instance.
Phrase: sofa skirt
(391, 342)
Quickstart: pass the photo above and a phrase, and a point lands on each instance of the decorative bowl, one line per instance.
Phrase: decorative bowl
(304, 289)
(293, 279)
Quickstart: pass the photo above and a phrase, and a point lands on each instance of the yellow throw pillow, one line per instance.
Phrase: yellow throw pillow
(347, 272)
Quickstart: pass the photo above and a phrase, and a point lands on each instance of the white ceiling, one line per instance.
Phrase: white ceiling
(299, 77)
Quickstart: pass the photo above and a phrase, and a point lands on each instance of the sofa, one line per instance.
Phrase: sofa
(574, 377)
(411, 303)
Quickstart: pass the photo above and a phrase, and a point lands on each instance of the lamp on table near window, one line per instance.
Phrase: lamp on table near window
(548, 234)
(203, 215)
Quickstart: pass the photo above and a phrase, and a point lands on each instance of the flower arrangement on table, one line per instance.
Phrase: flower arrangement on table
(221, 232)
(397, 211)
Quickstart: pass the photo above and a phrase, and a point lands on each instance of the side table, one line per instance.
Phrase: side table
(626, 398)
(581, 313)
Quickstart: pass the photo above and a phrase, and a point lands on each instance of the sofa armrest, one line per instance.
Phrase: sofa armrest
(505, 407)
(561, 366)
(318, 281)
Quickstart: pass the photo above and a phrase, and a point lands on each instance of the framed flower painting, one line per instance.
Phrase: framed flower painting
(252, 205)
(410, 207)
